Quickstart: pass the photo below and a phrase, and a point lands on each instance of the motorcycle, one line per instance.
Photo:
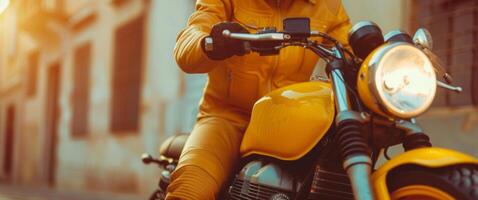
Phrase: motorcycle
(321, 139)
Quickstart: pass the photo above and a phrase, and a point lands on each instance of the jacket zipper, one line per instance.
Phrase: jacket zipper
(276, 59)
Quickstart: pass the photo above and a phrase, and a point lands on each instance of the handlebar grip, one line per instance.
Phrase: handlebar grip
(208, 44)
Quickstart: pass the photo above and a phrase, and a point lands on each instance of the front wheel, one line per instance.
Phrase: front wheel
(413, 182)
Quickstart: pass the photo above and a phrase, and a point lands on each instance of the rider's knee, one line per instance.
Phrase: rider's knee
(191, 182)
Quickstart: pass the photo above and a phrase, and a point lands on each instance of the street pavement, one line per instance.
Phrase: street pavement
(8, 192)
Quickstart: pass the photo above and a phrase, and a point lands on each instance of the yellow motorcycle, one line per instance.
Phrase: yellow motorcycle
(321, 139)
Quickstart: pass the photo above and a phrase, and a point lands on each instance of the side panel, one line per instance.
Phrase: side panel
(288, 122)
(428, 157)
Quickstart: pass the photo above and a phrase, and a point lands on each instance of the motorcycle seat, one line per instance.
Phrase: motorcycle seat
(173, 146)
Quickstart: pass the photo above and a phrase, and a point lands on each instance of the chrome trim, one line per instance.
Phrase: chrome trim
(314, 33)
(393, 33)
(256, 37)
(424, 38)
(208, 44)
(359, 25)
(413, 120)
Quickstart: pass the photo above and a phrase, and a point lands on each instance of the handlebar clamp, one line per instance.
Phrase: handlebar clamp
(208, 44)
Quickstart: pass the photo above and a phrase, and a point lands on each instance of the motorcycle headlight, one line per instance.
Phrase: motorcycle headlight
(397, 79)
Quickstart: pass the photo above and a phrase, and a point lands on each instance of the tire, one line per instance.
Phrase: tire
(459, 182)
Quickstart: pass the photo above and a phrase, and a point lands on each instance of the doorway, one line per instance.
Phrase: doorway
(9, 140)
(52, 115)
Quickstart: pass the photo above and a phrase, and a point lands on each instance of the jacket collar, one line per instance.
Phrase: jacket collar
(311, 1)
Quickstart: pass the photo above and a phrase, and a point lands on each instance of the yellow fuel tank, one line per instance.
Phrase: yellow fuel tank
(288, 122)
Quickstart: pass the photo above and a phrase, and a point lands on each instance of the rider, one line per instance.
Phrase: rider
(235, 82)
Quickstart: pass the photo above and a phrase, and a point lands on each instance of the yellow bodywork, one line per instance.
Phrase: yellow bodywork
(428, 157)
(288, 122)
(419, 192)
(364, 91)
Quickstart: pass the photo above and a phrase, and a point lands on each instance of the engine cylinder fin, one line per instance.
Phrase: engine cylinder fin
(245, 190)
(330, 184)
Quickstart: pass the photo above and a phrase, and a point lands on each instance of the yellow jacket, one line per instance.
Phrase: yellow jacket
(236, 83)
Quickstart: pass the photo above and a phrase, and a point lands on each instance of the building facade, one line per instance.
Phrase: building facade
(86, 87)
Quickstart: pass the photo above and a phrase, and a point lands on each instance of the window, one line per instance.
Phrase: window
(80, 96)
(126, 79)
(32, 73)
(454, 27)
(9, 140)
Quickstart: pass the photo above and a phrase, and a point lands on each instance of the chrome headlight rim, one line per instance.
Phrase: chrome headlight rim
(377, 90)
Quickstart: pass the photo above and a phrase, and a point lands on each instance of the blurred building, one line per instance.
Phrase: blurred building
(86, 86)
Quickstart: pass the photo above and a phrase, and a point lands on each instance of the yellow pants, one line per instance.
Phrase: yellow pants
(207, 160)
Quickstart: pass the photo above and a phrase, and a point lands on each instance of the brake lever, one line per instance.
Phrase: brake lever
(441, 70)
(437, 65)
(456, 89)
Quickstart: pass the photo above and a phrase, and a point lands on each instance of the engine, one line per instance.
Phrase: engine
(259, 180)
(330, 183)
(268, 181)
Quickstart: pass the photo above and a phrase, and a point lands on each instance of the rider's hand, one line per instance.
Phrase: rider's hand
(225, 47)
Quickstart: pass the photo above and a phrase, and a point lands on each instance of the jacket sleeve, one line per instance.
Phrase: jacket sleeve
(341, 26)
(188, 52)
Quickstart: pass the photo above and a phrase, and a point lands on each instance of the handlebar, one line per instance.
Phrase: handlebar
(255, 37)
(248, 37)
(279, 36)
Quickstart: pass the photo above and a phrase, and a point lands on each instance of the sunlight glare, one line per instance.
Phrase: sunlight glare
(3, 5)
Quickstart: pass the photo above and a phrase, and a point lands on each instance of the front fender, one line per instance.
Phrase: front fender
(427, 157)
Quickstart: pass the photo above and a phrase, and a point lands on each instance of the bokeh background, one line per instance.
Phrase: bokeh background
(86, 86)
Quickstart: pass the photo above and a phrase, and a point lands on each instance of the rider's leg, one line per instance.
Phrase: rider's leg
(207, 159)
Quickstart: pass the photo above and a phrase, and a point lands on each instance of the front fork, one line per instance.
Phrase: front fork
(352, 143)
